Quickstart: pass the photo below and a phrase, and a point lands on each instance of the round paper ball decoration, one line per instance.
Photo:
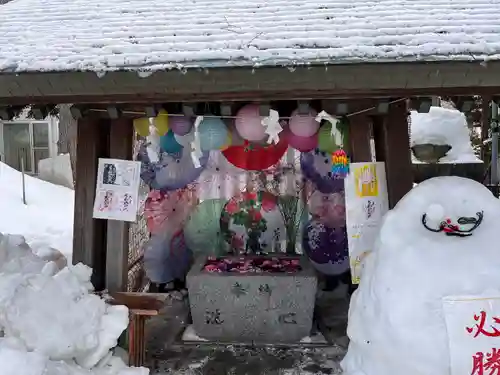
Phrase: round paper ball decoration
(249, 123)
(304, 125)
(180, 125)
(228, 141)
(202, 230)
(141, 126)
(326, 142)
(161, 122)
(326, 247)
(169, 144)
(303, 144)
(172, 171)
(213, 133)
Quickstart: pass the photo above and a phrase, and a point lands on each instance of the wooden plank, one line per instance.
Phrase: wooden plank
(248, 83)
(359, 138)
(89, 240)
(392, 146)
(485, 124)
(117, 249)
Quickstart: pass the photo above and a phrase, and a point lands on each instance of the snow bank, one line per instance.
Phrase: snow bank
(52, 324)
(46, 220)
(396, 322)
(443, 126)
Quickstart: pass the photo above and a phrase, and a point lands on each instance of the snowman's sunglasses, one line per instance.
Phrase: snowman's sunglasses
(451, 229)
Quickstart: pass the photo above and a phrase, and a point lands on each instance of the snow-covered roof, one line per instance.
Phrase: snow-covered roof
(96, 35)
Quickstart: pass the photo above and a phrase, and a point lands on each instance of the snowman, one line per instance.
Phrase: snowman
(440, 240)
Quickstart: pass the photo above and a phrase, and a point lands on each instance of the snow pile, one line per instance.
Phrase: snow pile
(396, 321)
(443, 126)
(47, 218)
(52, 324)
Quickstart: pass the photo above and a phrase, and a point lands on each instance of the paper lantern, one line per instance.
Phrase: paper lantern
(161, 122)
(248, 123)
(141, 126)
(303, 144)
(228, 141)
(326, 142)
(317, 167)
(180, 125)
(202, 230)
(326, 247)
(254, 157)
(185, 140)
(172, 171)
(304, 125)
(213, 133)
(169, 144)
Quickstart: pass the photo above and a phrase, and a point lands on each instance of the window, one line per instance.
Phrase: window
(25, 144)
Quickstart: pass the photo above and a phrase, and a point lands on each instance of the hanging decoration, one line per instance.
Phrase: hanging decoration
(272, 126)
(340, 164)
(326, 247)
(141, 126)
(229, 140)
(195, 146)
(168, 210)
(251, 223)
(328, 209)
(202, 230)
(463, 227)
(304, 125)
(180, 125)
(153, 141)
(255, 157)
(185, 140)
(213, 133)
(316, 166)
(249, 123)
(326, 142)
(302, 144)
(172, 171)
(161, 122)
(169, 144)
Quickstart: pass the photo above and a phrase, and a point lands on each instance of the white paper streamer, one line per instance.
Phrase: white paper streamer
(195, 145)
(323, 115)
(153, 140)
(273, 127)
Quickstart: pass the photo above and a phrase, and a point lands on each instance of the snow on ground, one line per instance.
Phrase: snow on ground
(107, 35)
(47, 218)
(52, 323)
(396, 320)
(443, 126)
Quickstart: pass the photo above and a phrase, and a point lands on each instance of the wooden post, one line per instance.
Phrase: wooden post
(359, 138)
(392, 146)
(485, 124)
(89, 239)
(117, 249)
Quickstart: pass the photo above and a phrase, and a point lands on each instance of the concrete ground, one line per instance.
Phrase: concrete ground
(169, 355)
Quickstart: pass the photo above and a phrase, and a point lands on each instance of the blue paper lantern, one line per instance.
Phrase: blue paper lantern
(169, 144)
(213, 133)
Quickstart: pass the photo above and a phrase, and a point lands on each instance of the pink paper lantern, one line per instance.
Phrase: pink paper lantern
(303, 144)
(180, 125)
(304, 125)
(248, 123)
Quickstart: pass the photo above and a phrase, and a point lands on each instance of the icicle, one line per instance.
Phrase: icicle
(273, 127)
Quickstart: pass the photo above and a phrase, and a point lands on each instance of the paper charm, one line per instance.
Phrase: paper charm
(340, 164)
(335, 132)
(273, 127)
(196, 153)
(153, 148)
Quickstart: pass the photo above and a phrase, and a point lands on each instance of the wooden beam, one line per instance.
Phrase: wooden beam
(89, 238)
(117, 249)
(392, 146)
(248, 83)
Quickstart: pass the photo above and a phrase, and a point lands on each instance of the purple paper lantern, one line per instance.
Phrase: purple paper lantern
(249, 123)
(172, 171)
(326, 247)
(316, 166)
(180, 125)
(304, 125)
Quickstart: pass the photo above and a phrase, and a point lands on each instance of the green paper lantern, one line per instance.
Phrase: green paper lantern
(202, 230)
(326, 142)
